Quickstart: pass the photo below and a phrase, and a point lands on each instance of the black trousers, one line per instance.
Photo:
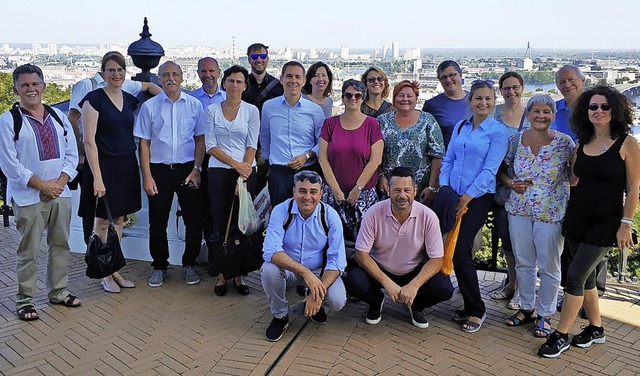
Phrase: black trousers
(281, 181)
(366, 288)
(169, 180)
(222, 188)
(465, 269)
(601, 269)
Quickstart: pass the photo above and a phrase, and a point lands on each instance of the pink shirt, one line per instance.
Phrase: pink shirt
(400, 248)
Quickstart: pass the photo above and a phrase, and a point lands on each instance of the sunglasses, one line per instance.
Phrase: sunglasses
(310, 176)
(256, 56)
(357, 96)
(483, 82)
(604, 107)
(374, 79)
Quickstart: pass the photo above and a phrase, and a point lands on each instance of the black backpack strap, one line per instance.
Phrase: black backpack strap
(54, 114)
(381, 109)
(325, 226)
(460, 126)
(290, 217)
(263, 94)
(17, 119)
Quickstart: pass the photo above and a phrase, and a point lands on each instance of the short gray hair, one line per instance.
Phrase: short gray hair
(26, 69)
(569, 66)
(542, 99)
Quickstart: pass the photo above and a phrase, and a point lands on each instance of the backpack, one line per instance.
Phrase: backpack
(17, 119)
(325, 227)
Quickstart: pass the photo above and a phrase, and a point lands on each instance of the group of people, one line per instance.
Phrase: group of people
(383, 175)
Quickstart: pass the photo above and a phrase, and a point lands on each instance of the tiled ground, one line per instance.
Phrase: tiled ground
(180, 329)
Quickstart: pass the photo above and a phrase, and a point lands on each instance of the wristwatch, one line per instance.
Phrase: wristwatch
(434, 189)
(307, 155)
(359, 187)
(199, 168)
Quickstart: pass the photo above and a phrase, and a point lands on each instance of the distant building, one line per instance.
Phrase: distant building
(412, 54)
(53, 49)
(526, 63)
(344, 53)
(385, 51)
(395, 50)
(313, 53)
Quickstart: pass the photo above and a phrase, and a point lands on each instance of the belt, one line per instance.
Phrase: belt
(173, 166)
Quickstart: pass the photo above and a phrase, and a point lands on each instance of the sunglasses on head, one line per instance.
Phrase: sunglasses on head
(357, 96)
(310, 176)
(256, 56)
(482, 82)
(595, 106)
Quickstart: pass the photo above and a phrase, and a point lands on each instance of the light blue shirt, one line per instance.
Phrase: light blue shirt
(473, 157)
(287, 132)
(171, 127)
(563, 115)
(305, 239)
(208, 99)
(233, 137)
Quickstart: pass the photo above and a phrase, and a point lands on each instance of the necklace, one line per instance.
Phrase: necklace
(231, 108)
(605, 147)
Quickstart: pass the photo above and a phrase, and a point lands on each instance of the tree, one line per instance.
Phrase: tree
(7, 98)
(55, 93)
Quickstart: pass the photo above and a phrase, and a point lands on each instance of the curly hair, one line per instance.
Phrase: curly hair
(621, 113)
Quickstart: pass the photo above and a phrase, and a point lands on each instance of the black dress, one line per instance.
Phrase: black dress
(117, 158)
(596, 203)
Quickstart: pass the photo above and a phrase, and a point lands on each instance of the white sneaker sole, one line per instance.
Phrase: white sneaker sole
(421, 325)
(556, 354)
(588, 344)
(373, 322)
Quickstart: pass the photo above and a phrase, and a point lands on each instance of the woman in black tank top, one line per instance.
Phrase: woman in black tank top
(606, 166)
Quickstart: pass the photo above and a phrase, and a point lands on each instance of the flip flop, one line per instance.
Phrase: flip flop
(70, 301)
(528, 316)
(24, 311)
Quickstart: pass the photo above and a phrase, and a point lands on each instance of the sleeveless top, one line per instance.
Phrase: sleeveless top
(596, 203)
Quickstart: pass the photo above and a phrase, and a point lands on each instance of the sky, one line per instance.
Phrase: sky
(554, 24)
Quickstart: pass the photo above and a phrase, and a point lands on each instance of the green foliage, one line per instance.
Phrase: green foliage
(55, 93)
(7, 98)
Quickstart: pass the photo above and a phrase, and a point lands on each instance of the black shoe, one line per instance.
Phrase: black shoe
(418, 318)
(301, 290)
(220, 290)
(320, 318)
(583, 314)
(374, 314)
(276, 329)
(242, 289)
(556, 344)
(588, 336)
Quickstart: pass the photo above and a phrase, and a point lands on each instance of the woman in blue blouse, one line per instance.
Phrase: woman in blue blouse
(475, 152)
(231, 139)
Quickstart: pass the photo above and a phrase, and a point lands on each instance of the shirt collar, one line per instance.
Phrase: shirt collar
(99, 80)
(296, 210)
(389, 213)
(164, 97)
(298, 103)
(485, 123)
(561, 105)
(202, 92)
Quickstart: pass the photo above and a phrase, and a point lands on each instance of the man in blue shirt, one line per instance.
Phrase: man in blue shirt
(209, 93)
(170, 127)
(451, 106)
(290, 133)
(570, 82)
(304, 244)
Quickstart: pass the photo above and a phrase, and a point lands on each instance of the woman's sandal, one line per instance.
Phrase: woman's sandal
(28, 310)
(502, 294)
(517, 320)
(539, 331)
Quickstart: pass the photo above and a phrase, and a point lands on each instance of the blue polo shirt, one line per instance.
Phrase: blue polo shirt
(563, 115)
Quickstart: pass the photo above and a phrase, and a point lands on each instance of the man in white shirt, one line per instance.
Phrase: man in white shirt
(38, 155)
(78, 92)
(171, 127)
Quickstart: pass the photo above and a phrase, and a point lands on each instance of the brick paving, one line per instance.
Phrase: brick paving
(187, 330)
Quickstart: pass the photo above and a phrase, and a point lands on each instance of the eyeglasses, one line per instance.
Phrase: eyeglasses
(604, 107)
(310, 176)
(507, 89)
(113, 71)
(357, 96)
(231, 81)
(482, 82)
(256, 56)
(374, 79)
(450, 76)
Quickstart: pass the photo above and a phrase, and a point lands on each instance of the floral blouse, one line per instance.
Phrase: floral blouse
(546, 200)
(413, 147)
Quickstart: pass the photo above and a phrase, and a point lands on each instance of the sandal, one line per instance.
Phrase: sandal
(472, 326)
(502, 294)
(540, 331)
(514, 304)
(27, 310)
(521, 317)
(70, 301)
(459, 315)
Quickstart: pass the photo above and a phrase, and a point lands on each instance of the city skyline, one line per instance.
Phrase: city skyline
(546, 24)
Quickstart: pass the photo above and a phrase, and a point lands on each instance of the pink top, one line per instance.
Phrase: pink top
(350, 150)
(400, 248)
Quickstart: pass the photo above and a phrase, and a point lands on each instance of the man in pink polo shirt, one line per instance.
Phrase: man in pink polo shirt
(399, 248)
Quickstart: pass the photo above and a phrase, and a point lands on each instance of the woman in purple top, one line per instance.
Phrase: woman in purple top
(350, 153)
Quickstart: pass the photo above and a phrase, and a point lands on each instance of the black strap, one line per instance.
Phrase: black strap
(106, 206)
(263, 94)
(522, 121)
(460, 126)
(17, 119)
(383, 107)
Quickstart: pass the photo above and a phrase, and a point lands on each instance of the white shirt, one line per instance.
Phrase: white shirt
(82, 87)
(171, 127)
(233, 137)
(20, 160)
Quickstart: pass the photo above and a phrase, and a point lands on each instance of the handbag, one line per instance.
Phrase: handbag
(243, 253)
(104, 259)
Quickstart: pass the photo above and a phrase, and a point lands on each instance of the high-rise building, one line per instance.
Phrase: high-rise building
(36, 48)
(395, 50)
(53, 49)
(385, 51)
(313, 54)
(344, 53)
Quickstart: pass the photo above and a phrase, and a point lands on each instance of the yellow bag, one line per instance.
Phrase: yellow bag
(450, 244)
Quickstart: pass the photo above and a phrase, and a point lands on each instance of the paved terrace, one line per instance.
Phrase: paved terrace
(187, 330)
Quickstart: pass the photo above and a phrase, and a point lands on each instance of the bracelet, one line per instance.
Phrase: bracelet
(626, 221)
(434, 189)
